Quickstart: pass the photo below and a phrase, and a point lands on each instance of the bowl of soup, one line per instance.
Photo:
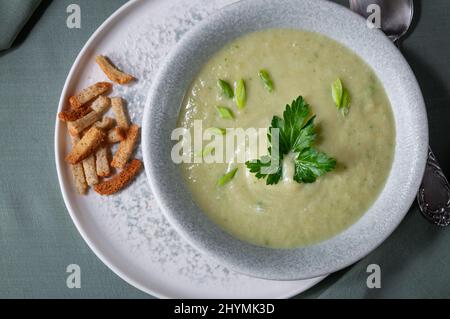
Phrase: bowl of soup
(287, 140)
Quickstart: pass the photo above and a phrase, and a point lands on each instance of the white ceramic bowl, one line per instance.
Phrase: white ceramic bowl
(349, 29)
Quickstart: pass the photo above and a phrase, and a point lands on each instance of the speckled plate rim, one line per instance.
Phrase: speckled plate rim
(379, 221)
(59, 140)
(59, 160)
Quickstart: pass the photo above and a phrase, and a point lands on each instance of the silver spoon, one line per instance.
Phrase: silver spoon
(434, 193)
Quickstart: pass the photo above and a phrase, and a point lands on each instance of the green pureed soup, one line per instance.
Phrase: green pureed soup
(298, 63)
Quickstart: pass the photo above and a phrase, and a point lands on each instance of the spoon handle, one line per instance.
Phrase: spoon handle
(434, 193)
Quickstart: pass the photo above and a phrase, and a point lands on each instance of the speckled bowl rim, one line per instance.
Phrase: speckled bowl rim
(184, 63)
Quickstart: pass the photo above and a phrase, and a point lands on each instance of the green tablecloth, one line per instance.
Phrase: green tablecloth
(38, 239)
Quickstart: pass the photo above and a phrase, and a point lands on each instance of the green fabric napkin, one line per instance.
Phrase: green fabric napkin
(13, 16)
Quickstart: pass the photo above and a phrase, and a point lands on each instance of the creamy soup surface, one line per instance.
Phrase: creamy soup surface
(290, 214)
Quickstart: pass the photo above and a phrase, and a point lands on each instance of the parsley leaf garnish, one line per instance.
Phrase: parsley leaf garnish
(295, 133)
(262, 168)
(311, 164)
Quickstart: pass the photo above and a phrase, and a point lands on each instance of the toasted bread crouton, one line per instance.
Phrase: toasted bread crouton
(78, 173)
(80, 180)
(89, 94)
(112, 72)
(87, 146)
(102, 162)
(75, 128)
(126, 148)
(90, 171)
(72, 115)
(105, 124)
(101, 104)
(120, 113)
(119, 181)
(116, 135)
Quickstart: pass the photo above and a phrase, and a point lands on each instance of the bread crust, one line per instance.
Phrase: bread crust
(80, 180)
(126, 148)
(119, 181)
(89, 93)
(102, 162)
(78, 173)
(87, 146)
(101, 104)
(105, 124)
(78, 126)
(120, 113)
(116, 135)
(112, 72)
(72, 115)
(90, 171)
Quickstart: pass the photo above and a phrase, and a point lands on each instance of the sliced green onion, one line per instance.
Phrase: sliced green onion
(341, 97)
(267, 80)
(205, 151)
(345, 104)
(241, 94)
(337, 91)
(208, 151)
(227, 177)
(217, 130)
(225, 89)
(225, 112)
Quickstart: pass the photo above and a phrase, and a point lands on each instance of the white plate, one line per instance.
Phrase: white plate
(127, 231)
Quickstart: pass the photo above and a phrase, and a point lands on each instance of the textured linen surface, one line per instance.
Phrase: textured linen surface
(37, 237)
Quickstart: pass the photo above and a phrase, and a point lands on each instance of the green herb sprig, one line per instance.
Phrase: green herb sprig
(296, 134)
